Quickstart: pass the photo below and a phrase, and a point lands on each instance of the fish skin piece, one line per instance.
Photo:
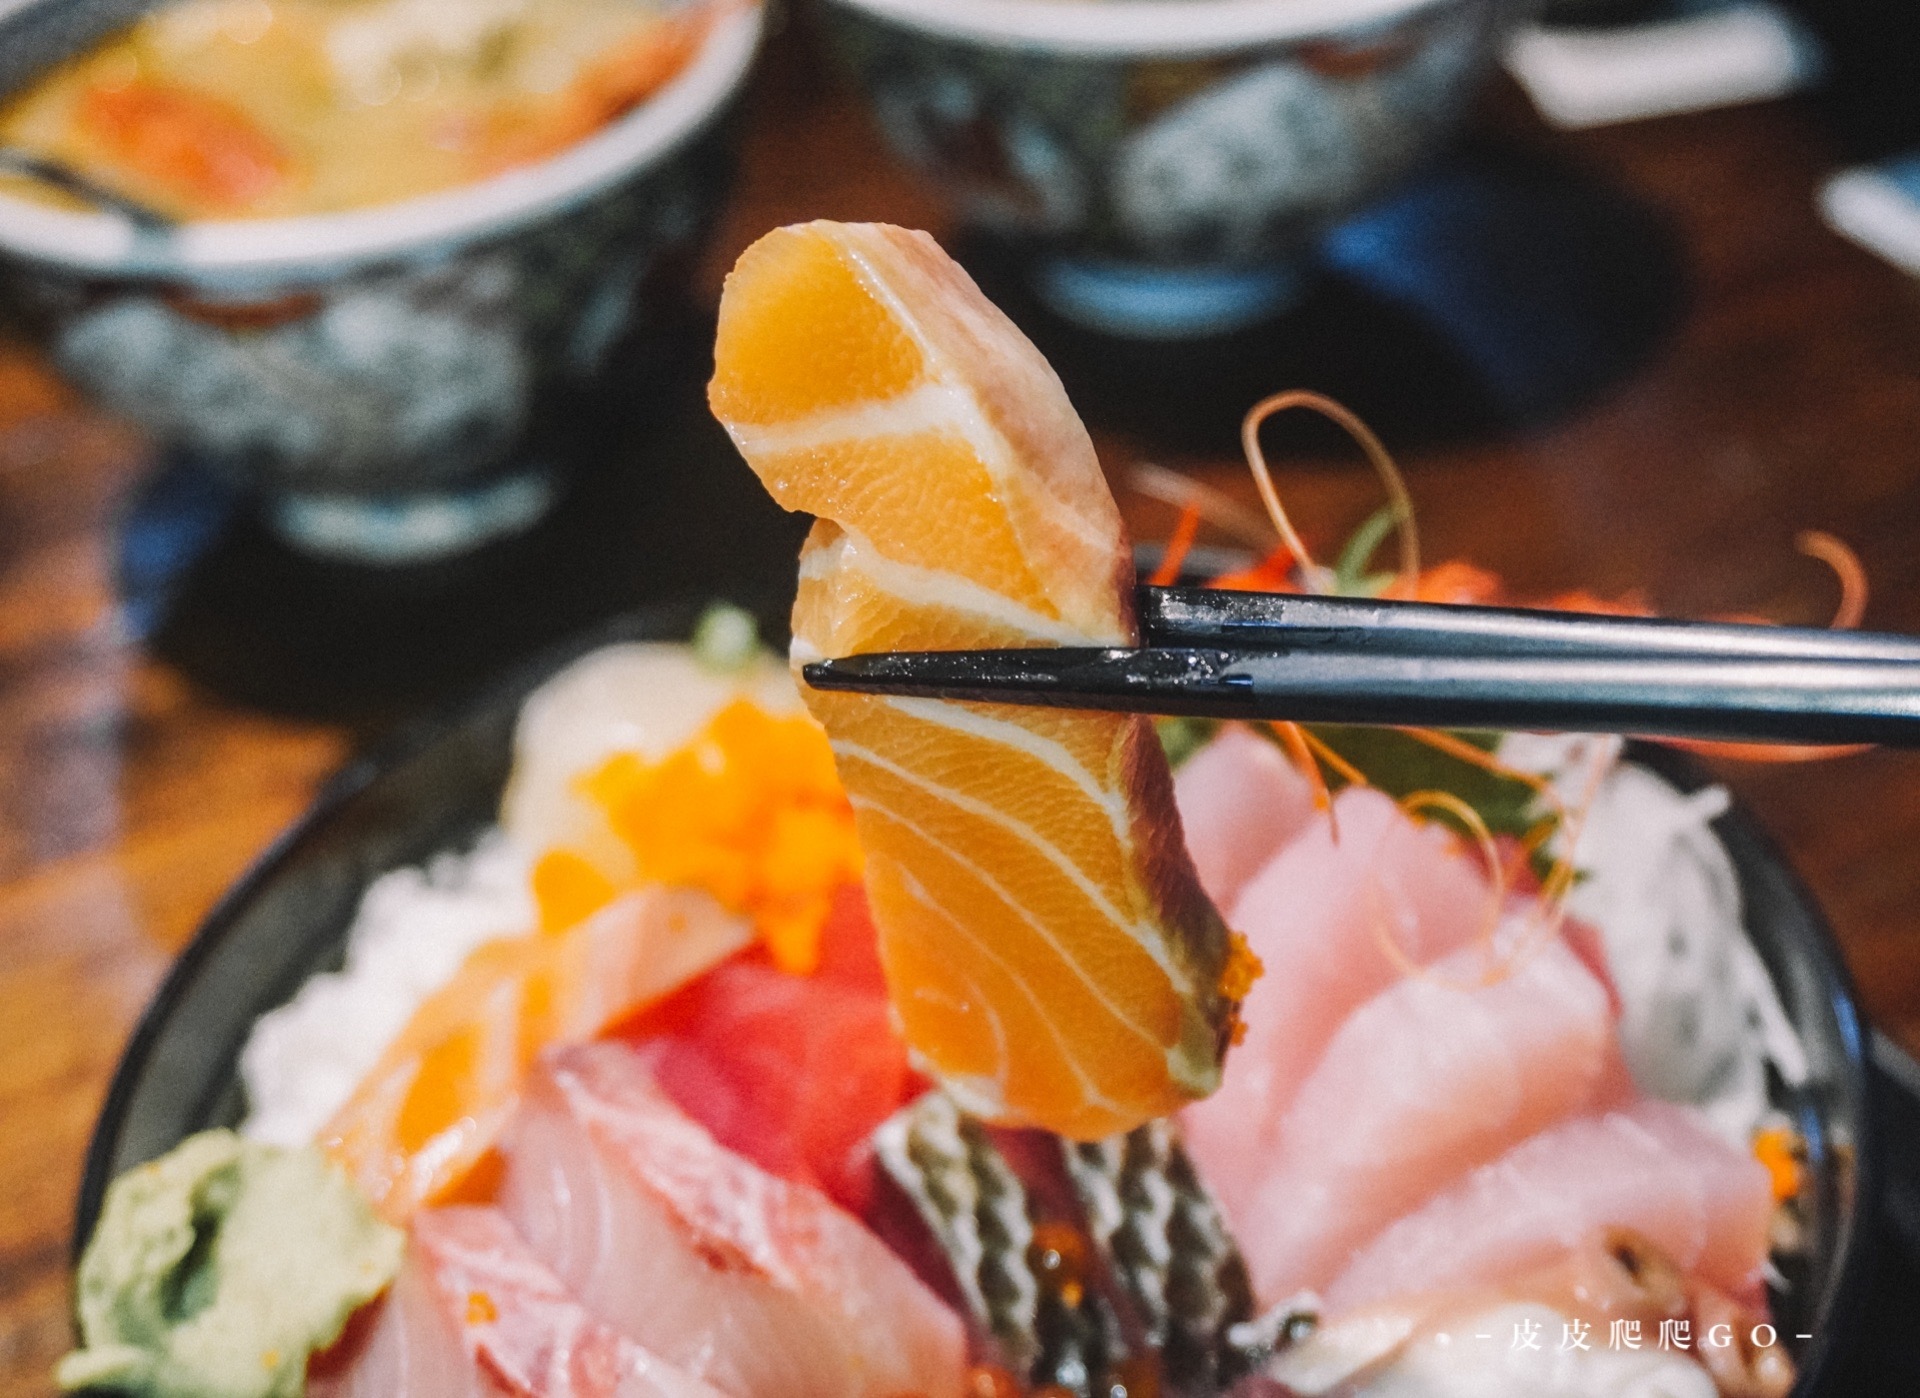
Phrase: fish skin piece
(1315, 915)
(1653, 1167)
(475, 1313)
(1048, 948)
(1430, 1078)
(1240, 802)
(761, 1287)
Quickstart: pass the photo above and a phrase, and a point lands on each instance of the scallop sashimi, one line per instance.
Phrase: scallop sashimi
(1240, 802)
(1425, 1081)
(474, 1312)
(447, 1086)
(757, 1285)
(1048, 947)
(1328, 913)
(1653, 1167)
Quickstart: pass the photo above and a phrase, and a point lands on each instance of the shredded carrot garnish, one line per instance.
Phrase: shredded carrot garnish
(1294, 739)
(1476, 827)
(1767, 752)
(1318, 579)
(1817, 543)
(1179, 544)
(1342, 768)
(1835, 553)
(1274, 573)
(1217, 508)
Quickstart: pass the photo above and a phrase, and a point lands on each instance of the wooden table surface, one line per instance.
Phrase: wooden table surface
(1786, 397)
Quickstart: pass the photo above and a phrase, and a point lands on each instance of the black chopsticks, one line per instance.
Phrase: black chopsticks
(1347, 660)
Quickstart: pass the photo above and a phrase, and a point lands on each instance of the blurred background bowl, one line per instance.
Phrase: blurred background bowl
(1163, 162)
(382, 377)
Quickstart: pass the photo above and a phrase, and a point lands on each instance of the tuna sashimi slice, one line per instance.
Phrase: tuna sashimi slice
(1240, 802)
(474, 1312)
(1427, 1080)
(1652, 1167)
(758, 1285)
(1318, 915)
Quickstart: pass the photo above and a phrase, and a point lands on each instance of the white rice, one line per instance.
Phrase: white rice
(413, 930)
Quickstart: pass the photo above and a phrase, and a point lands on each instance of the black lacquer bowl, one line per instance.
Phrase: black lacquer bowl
(440, 785)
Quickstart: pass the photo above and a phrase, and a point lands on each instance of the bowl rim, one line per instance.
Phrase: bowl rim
(1139, 28)
(315, 246)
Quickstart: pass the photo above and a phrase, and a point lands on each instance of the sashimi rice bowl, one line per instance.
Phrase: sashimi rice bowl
(775, 1042)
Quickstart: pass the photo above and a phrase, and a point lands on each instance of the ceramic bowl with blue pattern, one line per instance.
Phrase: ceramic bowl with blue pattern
(377, 377)
(1166, 160)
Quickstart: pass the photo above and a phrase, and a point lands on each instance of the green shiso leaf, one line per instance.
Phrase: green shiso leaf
(1350, 575)
(1183, 737)
(1400, 765)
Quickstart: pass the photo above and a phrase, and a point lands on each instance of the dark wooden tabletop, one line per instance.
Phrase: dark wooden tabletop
(1785, 395)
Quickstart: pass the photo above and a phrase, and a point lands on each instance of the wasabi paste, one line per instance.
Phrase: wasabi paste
(217, 1269)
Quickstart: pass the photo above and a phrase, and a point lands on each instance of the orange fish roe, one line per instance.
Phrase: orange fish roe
(751, 810)
(568, 889)
(1778, 1148)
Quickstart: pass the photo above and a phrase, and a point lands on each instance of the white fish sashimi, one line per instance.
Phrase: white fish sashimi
(475, 1313)
(1509, 1351)
(1326, 916)
(762, 1287)
(1427, 1080)
(1653, 1167)
(1240, 802)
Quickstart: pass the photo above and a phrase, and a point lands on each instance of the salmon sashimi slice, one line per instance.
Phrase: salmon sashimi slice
(435, 1104)
(1653, 1167)
(757, 1285)
(1240, 802)
(1330, 911)
(1427, 1080)
(475, 1312)
(1048, 949)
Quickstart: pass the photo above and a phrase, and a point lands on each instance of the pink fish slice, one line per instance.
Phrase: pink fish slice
(474, 1312)
(1654, 1168)
(758, 1285)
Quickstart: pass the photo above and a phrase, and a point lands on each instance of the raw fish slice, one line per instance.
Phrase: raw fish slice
(448, 1084)
(474, 1312)
(411, 1347)
(1048, 948)
(1735, 1189)
(1422, 1083)
(759, 1286)
(1317, 915)
(1240, 802)
(793, 1072)
(1651, 1168)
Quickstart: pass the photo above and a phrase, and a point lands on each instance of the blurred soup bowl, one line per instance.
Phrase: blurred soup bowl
(377, 375)
(1166, 160)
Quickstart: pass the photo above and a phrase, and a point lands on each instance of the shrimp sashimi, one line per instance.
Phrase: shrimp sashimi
(1653, 1167)
(757, 1285)
(1240, 803)
(473, 1312)
(448, 1085)
(1319, 915)
(1430, 1078)
(1047, 945)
